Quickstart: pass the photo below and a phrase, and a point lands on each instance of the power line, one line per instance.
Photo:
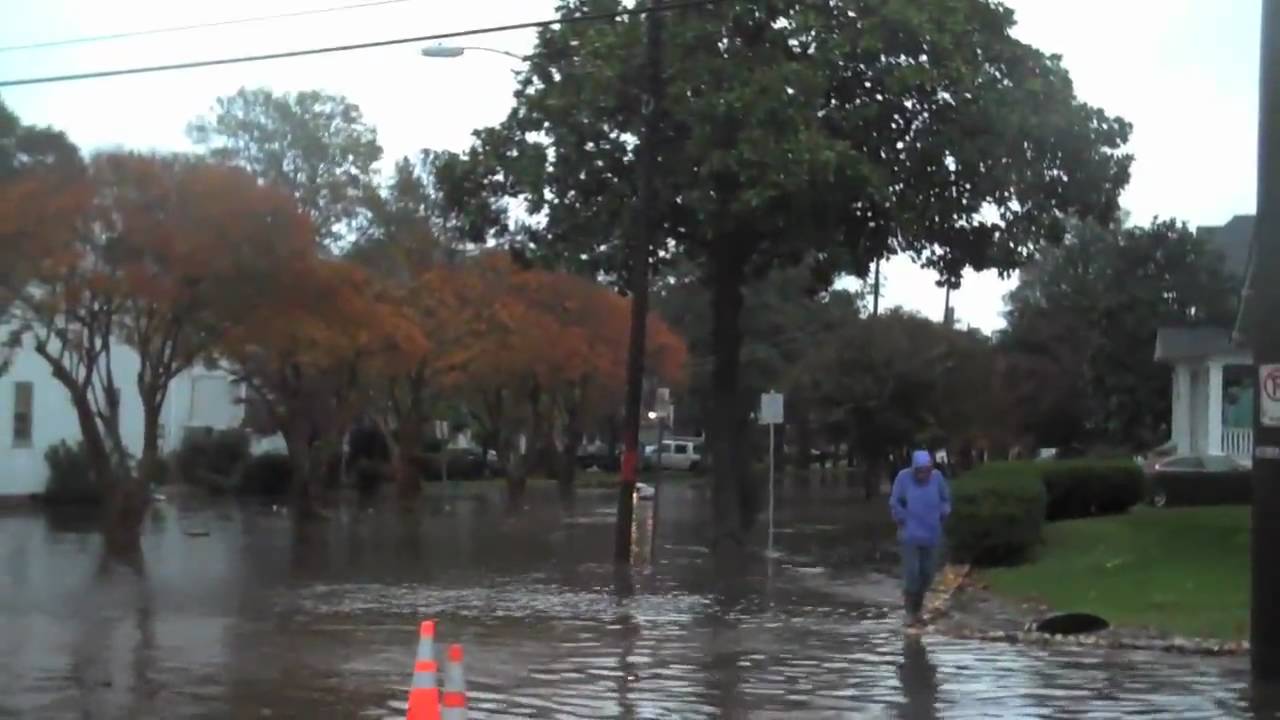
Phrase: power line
(196, 26)
(534, 25)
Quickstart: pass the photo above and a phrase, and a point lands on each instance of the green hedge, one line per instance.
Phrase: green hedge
(1204, 488)
(462, 466)
(266, 475)
(370, 475)
(997, 515)
(212, 460)
(70, 476)
(1087, 488)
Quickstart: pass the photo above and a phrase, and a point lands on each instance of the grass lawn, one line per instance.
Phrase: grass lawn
(1181, 571)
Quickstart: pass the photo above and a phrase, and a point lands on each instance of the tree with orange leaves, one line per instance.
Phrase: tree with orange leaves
(183, 233)
(308, 344)
(146, 252)
(545, 353)
(583, 373)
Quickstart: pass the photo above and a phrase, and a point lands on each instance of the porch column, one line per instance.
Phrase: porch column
(1181, 425)
(1215, 408)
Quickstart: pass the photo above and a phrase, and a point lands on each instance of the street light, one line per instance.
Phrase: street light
(453, 51)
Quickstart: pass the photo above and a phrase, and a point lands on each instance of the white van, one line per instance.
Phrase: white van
(676, 455)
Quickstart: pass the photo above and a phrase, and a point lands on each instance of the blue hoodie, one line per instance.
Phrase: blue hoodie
(919, 508)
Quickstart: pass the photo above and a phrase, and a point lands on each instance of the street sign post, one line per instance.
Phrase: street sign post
(771, 415)
(1269, 395)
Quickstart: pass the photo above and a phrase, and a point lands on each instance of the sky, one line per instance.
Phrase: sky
(1184, 72)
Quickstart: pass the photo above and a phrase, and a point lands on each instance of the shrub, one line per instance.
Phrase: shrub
(1204, 488)
(212, 460)
(1085, 488)
(267, 475)
(70, 476)
(997, 515)
(371, 475)
(463, 465)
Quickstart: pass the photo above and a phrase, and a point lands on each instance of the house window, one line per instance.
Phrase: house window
(23, 395)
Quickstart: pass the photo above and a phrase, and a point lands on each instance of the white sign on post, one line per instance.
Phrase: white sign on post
(1269, 395)
(662, 403)
(771, 415)
(771, 408)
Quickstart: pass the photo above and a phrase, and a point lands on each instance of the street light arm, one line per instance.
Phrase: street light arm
(453, 51)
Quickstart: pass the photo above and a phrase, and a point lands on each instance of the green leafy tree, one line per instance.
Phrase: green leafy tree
(1082, 323)
(827, 133)
(313, 144)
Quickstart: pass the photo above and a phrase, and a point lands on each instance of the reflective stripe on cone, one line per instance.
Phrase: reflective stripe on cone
(454, 697)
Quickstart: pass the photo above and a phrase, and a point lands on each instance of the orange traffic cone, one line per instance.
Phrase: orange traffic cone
(424, 694)
(454, 698)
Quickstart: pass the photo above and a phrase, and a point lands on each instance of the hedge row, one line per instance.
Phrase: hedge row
(997, 515)
(1218, 488)
(999, 509)
(1087, 488)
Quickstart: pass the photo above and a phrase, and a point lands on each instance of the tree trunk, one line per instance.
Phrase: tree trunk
(804, 440)
(516, 473)
(875, 476)
(299, 443)
(150, 466)
(125, 504)
(568, 460)
(408, 438)
(733, 505)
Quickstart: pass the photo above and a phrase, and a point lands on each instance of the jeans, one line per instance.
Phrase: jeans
(919, 563)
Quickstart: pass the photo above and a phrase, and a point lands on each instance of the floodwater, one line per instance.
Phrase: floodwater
(259, 620)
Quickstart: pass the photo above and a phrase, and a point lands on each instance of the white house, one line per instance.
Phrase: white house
(36, 412)
(1213, 386)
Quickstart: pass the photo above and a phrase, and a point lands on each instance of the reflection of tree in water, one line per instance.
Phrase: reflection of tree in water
(919, 680)
(629, 632)
(724, 651)
(111, 677)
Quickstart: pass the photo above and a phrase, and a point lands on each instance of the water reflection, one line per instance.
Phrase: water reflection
(919, 680)
(263, 618)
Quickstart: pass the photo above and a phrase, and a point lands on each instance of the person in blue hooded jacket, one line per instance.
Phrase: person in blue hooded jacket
(920, 503)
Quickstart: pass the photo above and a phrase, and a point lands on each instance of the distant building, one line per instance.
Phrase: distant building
(36, 413)
(1213, 388)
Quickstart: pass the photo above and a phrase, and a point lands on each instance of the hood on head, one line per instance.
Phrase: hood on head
(921, 459)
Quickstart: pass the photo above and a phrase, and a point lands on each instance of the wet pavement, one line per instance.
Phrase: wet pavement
(261, 620)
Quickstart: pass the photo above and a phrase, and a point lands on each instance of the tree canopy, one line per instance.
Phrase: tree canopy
(795, 133)
(1082, 326)
(315, 145)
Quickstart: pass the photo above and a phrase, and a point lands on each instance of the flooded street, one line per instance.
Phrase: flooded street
(257, 620)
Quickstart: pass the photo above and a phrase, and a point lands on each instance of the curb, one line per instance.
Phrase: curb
(956, 577)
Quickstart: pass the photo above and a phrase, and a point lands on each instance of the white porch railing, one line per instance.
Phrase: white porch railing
(1238, 443)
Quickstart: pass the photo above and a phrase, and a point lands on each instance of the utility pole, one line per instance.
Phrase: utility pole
(1265, 296)
(875, 298)
(644, 238)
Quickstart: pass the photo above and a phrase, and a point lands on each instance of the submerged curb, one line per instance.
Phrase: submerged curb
(955, 578)
(1181, 646)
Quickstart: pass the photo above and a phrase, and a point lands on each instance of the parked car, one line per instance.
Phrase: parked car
(1198, 480)
(676, 455)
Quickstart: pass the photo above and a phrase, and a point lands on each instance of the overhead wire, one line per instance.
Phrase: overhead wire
(532, 25)
(196, 26)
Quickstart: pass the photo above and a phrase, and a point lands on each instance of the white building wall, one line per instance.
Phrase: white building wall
(23, 470)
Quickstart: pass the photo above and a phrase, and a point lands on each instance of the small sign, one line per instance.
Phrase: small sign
(1267, 452)
(662, 403)
(1269, 395)
(771, 408)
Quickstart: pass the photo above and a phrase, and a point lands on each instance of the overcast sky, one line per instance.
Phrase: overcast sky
(1185, 72)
